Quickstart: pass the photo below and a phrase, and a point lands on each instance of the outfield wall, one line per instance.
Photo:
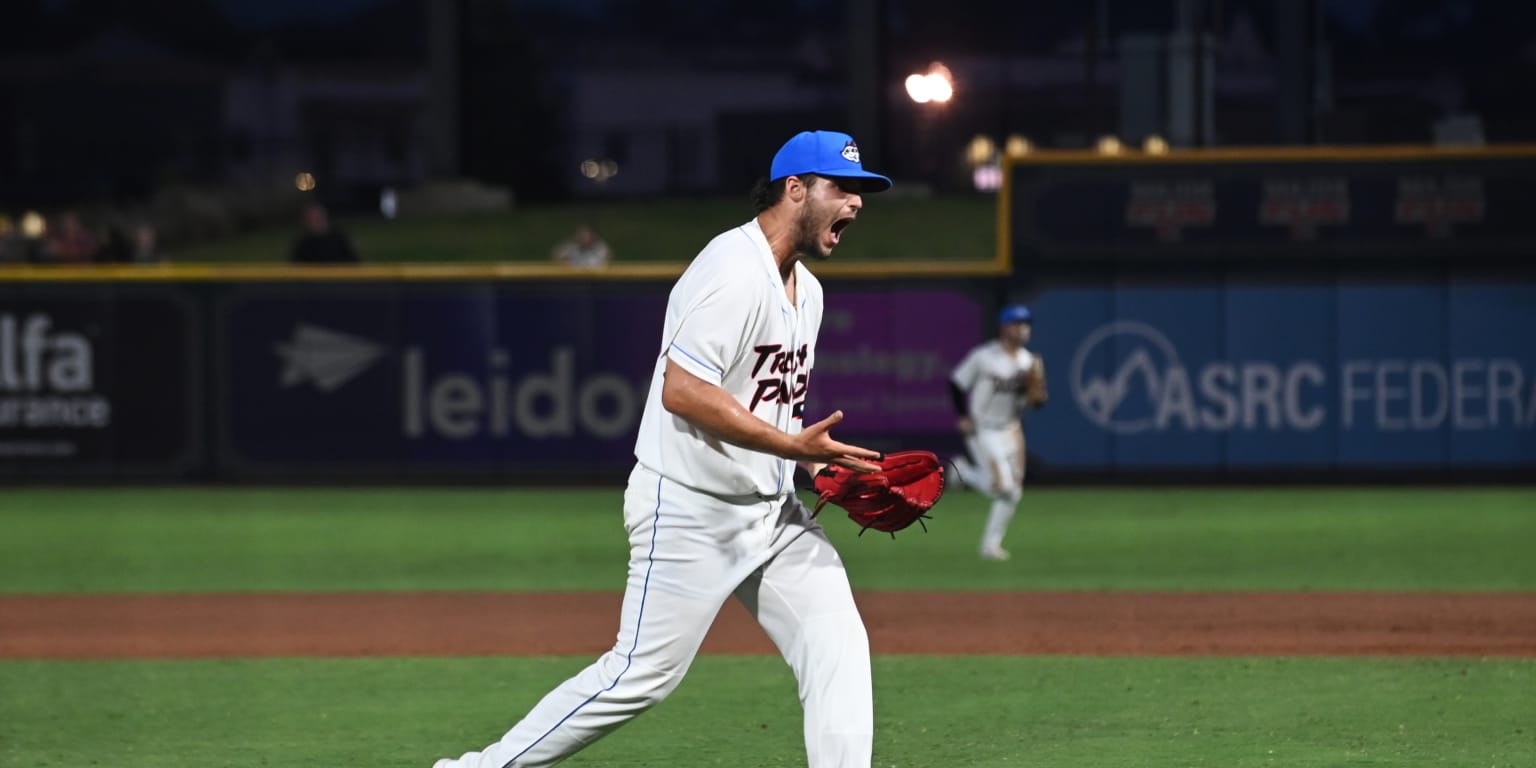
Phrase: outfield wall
(1310, 313)
(1316, 315)
(405, 381)
(397, 380)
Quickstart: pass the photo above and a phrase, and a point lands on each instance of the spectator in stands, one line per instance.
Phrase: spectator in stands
(146, 244)
(585, 250)
(131, 242)
(70, 241)
(321, 243)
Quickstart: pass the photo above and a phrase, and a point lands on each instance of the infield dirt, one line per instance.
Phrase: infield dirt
(944, 623)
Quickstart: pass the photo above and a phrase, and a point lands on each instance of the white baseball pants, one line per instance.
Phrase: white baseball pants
(689, 551)
(999, 456)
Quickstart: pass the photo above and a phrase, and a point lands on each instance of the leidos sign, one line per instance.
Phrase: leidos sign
(47, 376)
(537, 404)
(445, 380)
(508, 400)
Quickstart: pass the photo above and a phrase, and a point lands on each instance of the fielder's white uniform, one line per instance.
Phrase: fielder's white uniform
(994, 380)
(708, 520)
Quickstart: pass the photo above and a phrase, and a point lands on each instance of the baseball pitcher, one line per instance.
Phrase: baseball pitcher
(710, 508)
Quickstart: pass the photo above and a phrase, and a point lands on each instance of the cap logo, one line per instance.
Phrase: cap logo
(851, 152)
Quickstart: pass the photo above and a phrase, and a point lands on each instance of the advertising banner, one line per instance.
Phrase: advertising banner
(97, 381)
(440, 380)
(1324, 376)
(884, 359)
(434, 379)
(1241, 210)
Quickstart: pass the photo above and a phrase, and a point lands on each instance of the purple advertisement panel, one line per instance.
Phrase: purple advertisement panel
(884, 359)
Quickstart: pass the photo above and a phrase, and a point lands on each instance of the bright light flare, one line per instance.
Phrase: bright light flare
(981, 151)
(936, 86)
(33, 225)
(599, 171)
(1018, 146)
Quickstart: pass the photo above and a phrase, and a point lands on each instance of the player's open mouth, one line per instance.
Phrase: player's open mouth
(837, 229)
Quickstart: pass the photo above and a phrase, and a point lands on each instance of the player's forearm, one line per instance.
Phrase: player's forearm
(713, 410)
(957, 396)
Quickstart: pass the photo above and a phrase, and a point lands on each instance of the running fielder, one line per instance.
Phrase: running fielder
(710, 508)
(992, 387)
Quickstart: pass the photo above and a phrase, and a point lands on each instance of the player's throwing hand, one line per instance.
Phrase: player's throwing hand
(815, 444)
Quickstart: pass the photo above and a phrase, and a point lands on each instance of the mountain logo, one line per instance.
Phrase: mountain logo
(1138, 360)
(326, 358)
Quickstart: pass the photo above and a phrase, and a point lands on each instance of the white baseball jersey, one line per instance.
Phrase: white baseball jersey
(730, 323)
(995, 378)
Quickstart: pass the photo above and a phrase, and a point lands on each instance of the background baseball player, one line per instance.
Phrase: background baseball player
(992, 387)
(710, 508)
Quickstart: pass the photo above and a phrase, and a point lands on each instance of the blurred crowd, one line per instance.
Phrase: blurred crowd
(68, 237)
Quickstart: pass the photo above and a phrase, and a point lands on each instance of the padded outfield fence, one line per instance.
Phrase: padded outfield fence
(1223, 315)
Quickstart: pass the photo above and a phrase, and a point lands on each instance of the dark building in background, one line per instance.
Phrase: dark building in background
(113, 117)
(623, 98)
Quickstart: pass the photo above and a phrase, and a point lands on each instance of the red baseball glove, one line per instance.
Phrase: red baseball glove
(908, 484)
(1035, 393)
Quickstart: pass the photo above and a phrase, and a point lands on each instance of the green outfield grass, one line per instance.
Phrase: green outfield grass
(741, 711)
(188, 540)
(938, 712)
(894, 229)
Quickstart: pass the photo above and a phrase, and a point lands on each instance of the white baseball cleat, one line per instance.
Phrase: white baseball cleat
(994, 553)
(443, 763)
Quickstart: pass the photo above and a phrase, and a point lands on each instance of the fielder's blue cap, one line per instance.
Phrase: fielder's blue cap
(1015, 313)
(825, 153)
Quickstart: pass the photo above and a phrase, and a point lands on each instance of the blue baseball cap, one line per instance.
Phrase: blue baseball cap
(825, 153)
(1015, 313)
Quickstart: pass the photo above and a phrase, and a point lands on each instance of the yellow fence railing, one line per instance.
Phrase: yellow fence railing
(126, 273)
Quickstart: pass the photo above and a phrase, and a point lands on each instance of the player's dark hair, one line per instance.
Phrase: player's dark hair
(766, 194)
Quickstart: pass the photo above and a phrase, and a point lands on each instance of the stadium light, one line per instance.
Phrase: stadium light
(936, 86)
(981, 151)
(599, 171)
(33, 225)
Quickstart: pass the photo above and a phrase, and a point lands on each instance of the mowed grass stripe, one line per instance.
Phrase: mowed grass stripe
(980, 712)
(59, 541)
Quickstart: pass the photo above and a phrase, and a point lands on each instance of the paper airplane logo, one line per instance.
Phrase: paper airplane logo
(327, 358)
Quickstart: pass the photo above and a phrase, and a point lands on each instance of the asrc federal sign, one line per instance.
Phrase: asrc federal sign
(1352, 375)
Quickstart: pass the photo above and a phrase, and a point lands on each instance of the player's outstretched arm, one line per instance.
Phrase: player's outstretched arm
(713, 410)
